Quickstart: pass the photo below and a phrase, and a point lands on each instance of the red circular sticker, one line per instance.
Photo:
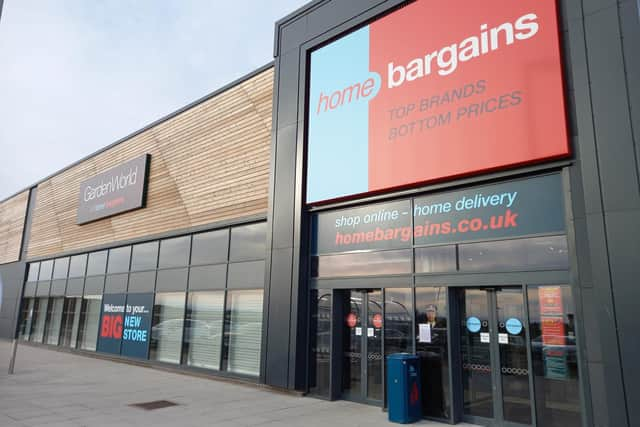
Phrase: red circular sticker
(377, 321)
(352, 319)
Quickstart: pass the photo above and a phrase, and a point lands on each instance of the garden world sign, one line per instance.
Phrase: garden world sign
(120, 189)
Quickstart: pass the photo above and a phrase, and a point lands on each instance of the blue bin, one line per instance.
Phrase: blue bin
(403, 388)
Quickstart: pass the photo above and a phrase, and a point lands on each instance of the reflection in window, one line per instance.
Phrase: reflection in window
(175, 252)
(39, 319)
(320, 336)
(166, 329)
(144, 256)
(70, 322)
(398, 321)
(26, 318)
(119, 260)
(89, 321)
(549, 252)
(554, 356)
(436, 259)
(244, 333)
(431, 346)
(248, 242)
(46, 268)
(210, 248)
(362, 264)
(60, 269)
(54, 320)
(97, 263)
(77, 265)
(203, 329)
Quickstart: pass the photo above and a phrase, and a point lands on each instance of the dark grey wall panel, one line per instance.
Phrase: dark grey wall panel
(246, 275)
(12, 277)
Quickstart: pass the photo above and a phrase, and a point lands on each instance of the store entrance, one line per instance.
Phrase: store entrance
(495, 358)
(362, 346)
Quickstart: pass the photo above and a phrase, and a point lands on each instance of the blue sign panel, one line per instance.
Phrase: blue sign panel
(514, 326)
(474, 324)
(137, 324)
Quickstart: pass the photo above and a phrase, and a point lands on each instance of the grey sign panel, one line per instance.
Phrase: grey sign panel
(120, 189)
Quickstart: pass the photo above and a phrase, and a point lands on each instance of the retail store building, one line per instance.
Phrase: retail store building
(459, 180)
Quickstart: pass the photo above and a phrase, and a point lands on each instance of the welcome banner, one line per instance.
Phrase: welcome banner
(435, 90)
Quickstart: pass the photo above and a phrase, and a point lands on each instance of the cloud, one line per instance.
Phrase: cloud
(76, 75)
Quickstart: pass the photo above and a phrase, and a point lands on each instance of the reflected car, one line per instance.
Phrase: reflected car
(174, 327)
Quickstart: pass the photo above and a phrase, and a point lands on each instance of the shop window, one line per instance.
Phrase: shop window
(144, 256)
(210, 248)
(175, 252)
(34, 269)
(203, 329)
(432, 347)
(207, 277)
(142, 282)
(77, 265)
(61, 268)
(26, 317)
(39, 319)
(70, 322)
(248, 242)
(362, 264)
(167, 326)
(554, 356)
(538, 253)
(116, 284)
(46, 268)
(398, 321)
(89, 322)
(119, 260)
(54, 320)
(436, 259)
(97, 263)
(320, 336)
(244, 331)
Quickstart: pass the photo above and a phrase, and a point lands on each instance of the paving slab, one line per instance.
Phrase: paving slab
(52, 388)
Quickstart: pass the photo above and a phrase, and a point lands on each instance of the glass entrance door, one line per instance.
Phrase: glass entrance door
(362, 360)
(495, 359)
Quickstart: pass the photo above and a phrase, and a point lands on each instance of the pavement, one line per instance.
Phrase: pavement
(52, 388)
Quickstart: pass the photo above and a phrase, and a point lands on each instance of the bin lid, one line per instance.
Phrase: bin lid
(402, 356)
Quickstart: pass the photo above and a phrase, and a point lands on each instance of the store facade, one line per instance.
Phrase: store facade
(454, 180)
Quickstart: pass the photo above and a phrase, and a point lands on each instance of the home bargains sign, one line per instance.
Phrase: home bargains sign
(506, 210)
(117, 190)
(437, 89)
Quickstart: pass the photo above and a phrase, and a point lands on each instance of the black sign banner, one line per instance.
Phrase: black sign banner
(499, 211)
(117, 190)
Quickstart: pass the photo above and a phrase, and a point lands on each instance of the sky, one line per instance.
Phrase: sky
(77, 75)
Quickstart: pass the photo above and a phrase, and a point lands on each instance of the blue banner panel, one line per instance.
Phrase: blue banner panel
(137, 324)
(111, 323)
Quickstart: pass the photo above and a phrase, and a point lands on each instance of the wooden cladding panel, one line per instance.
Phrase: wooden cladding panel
(12, 214)
(209, 163)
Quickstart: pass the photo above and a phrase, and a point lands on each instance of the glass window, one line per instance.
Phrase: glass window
(398, 321)
(207, 277)
(432, 347)
(244, 333)
(554, 356)
(320, 335)
(39, 319)
(436, 259)
(77, 265)
(70, 322)
(248, 242)
(175, 252)
(166, 329)
(54, 320)
(142, 282)
(203, 329)
(119, 260)
(210, 248)
(97, 263)
(145, 256)
(46, 268)
(61, 268)
(362, 264)
(174, 279)
(34, 268)
(549, 252)
(89, 321)
(116, 284)
(26, 318)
